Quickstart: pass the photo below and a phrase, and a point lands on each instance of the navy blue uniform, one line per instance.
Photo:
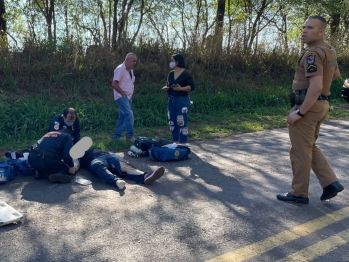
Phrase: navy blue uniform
(49, 152)
(57, 123)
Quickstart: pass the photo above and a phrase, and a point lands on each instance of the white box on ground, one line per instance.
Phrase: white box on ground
(8, 214)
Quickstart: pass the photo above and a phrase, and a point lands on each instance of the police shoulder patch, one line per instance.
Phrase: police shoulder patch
(311, 68)
(56, 127)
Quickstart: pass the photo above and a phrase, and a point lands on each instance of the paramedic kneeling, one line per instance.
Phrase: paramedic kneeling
(50, 156)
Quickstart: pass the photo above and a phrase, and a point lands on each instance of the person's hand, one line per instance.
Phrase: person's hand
(177, 87)
(71, 170)
(292, 118)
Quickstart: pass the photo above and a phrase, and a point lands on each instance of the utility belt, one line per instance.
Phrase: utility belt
(297, 97)
(45, 154)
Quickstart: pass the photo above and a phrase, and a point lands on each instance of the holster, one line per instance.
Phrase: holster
(300, 96)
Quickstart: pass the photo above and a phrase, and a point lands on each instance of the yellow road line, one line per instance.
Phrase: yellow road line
(319, 249)
(269, 243)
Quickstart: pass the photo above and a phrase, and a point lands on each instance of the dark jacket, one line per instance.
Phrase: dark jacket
(91, 154)
(57, 143)
(57, 123)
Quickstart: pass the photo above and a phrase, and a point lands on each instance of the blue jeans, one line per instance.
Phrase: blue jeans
(125, 119)
(178, 107)
(107, 167)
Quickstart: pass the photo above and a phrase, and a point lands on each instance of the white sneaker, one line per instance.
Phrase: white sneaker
(152, 176)
(120, 184)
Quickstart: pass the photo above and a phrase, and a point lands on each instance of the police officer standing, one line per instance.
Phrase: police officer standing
(48, 153)
(315, 71)
(68, 119)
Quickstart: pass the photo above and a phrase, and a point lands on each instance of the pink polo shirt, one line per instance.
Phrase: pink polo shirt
(125, 82)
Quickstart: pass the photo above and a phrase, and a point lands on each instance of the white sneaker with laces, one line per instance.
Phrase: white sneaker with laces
(120, 184)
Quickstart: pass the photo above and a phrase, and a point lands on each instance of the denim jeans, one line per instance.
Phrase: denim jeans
(178, 107)
(125, 119)
(107, 167)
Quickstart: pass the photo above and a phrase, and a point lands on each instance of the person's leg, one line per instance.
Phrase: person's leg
(182, 118)
(120, 123)
(172, 118)
(320, 166)
(323, 171)
(302, 137)
(54, 169)
(99, 166)
(125, 106)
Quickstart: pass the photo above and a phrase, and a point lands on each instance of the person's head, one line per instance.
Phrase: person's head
(177, 61)
(313, 30)
(130, 60)
(69, 115)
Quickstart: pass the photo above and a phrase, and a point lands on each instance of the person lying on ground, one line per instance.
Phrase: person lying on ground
(110, 166)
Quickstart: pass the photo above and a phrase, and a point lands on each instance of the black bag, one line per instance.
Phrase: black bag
(144, 143)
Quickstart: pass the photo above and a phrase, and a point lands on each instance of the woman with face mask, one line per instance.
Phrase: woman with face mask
(70, 120)
(179, 84)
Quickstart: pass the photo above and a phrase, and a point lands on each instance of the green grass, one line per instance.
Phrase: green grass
(228, 110)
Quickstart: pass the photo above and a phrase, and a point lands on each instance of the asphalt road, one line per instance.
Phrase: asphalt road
(220, 205)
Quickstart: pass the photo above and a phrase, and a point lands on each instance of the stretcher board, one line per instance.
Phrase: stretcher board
(8, 214)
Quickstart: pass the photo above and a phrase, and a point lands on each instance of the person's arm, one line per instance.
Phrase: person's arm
(77, 131)
(336, 74)
(117, 88)
(67, 145)
(189, 84)
(52, 124)
(313, 92)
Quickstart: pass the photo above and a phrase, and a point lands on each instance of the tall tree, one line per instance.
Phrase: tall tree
(3, 25)
(218, 34)
(47, 8)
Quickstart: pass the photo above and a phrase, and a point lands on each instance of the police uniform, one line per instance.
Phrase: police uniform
(304, 153)
(57, 123)
(48, 153)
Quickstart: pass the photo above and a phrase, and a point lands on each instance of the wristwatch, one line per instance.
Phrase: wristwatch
(298, 112)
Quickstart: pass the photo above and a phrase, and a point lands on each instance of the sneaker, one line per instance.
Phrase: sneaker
(61, 178)
(152, 176)
(130, 139)
(120, 184)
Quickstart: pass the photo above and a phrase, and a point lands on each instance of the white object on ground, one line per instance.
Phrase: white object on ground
(82, 181)
(8, 214)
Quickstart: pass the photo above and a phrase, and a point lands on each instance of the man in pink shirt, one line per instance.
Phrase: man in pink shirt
(123, 90)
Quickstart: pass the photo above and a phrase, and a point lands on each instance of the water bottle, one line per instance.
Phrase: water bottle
(136, 150)
(130, 153)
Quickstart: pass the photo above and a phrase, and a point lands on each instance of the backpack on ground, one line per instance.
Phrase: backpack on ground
(6, 172)
(20, 165)
(143, 144)
(171, 152)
